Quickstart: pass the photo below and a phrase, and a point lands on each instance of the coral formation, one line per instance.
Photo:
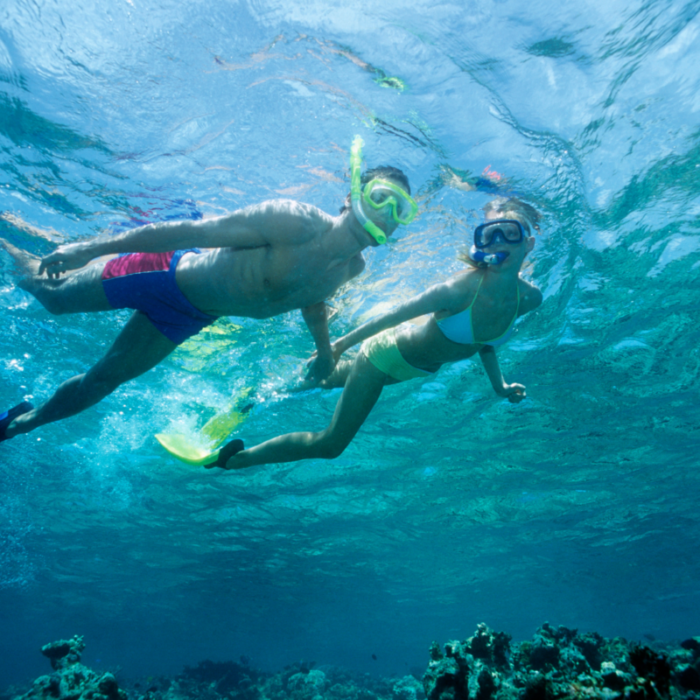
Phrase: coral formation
(556, 664)
(224, 677)
(70, 679)
(560, 664)
(300, 681)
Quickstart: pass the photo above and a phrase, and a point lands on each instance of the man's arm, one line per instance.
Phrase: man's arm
(270, 223)
(514, 392)
(316, 318)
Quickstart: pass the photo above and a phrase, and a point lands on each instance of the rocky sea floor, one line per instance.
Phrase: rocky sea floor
(556, 663)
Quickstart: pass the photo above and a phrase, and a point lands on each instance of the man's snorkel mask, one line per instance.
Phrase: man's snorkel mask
(510, 231)
(377, 194)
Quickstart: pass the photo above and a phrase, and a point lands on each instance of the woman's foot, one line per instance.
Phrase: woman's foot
(226, 452)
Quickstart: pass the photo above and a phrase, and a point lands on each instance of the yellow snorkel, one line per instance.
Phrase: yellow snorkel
(356, 192)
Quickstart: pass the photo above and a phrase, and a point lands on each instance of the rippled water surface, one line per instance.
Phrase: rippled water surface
(578, 506)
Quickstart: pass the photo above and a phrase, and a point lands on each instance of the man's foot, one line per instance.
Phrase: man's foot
(27, 263)
(226, 452)
(7, 417)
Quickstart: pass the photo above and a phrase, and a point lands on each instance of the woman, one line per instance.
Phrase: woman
(473, 312)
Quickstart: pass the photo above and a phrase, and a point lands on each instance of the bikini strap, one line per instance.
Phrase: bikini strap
(478, 289)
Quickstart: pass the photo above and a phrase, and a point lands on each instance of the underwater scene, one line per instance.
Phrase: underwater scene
(462, 545)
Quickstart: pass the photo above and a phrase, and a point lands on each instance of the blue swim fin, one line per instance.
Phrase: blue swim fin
(8, 416)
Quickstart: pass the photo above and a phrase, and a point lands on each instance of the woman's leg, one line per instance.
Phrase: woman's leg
(339, 376)
(362, 389)
(334, 380)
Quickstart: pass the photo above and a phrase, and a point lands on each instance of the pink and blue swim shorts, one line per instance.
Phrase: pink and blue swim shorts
(146, 282)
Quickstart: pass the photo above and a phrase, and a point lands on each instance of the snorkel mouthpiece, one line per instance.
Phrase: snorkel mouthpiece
(489, 258)
(356, 192)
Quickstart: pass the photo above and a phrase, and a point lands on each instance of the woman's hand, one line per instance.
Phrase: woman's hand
(71, 256)
(515, 393)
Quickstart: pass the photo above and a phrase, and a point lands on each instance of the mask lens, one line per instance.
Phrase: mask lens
(507, 231)
(511, 232)
(380, 194)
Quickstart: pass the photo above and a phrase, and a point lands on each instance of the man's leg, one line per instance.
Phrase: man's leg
(139, 347)
(28, 263)
(79, 291)
(362, 390)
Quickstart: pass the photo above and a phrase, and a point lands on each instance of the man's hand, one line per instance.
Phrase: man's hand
(71, 256)
(515, 393)
(320, 368)
(315, 373)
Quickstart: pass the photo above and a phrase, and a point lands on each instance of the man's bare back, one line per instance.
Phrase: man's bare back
(308, 260)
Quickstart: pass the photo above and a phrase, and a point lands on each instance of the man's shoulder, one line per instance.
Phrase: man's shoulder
(281, 221)
(288, 207)
(305, 220)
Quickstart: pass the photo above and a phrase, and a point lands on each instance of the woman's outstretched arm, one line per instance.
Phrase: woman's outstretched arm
(439, 297)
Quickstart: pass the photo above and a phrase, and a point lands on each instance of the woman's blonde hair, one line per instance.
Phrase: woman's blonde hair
(508, 207)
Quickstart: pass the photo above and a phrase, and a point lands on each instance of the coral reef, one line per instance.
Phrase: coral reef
(556, 664)
(301, 681)
(560, 664)
(70, 679)
(223, 677)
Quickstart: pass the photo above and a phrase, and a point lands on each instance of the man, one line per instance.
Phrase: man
(260, 261)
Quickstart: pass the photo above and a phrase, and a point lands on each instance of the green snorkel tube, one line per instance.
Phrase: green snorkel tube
(356, 192)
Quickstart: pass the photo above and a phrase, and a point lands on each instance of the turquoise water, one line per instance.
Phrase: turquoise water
(578, 506)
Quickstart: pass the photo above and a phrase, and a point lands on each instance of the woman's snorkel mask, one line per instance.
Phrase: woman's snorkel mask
(510, 231)
(378, 194)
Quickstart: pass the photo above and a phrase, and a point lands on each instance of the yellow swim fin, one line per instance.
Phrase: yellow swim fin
(218, 428)
(185, 450)
(204, 451)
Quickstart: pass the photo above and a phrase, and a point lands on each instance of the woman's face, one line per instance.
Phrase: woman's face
(515, 252)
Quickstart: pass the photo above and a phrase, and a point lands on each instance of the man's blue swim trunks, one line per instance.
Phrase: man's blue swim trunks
(146, 282)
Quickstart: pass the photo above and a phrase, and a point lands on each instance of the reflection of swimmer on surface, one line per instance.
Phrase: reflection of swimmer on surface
(31, 232)
(261, 261)
(474, 311)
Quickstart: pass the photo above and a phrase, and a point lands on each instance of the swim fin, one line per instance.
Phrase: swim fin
(203, 451)
(180, 446)
(8, 416)
(197, 456)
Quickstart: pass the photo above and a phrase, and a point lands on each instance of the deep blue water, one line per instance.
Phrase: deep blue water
(451, 507)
